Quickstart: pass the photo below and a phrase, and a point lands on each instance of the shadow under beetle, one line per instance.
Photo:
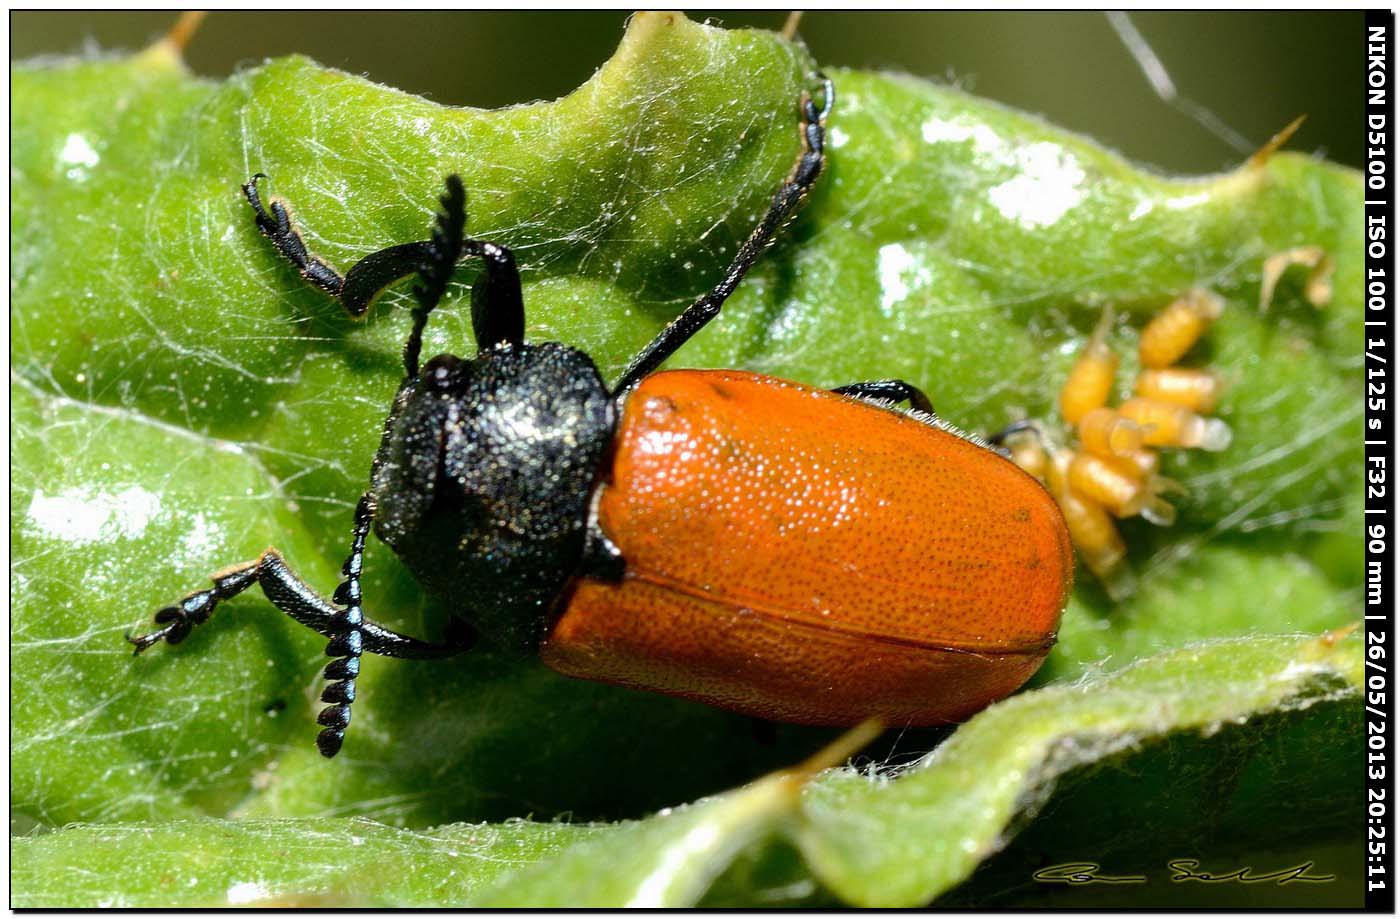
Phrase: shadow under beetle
(788, 552)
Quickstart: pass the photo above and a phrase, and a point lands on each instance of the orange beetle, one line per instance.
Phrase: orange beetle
(760, 545)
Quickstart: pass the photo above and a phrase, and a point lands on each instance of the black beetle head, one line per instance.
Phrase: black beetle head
(484, 477)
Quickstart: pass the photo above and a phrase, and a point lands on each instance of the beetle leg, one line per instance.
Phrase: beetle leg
(785, 203)
(1023, 426)
(1016, 427)
(498, 310)
(361, 285)
(293, 596)
(893, 390)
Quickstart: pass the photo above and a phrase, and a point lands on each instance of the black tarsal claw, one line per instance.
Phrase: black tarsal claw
(176, 627)
(274, 225)
(178, 631)
(250, 191)
(142, 642)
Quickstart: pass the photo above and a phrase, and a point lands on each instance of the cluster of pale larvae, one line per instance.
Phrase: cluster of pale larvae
(1109, 467)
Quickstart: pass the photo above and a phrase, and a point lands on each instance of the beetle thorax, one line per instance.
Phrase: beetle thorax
(484, 476)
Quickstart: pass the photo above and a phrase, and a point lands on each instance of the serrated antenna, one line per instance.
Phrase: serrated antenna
(435, 271)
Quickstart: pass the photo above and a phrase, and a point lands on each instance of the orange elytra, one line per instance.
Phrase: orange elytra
(804, 556)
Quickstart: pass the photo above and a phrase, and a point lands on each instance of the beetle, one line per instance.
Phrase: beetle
(768, 547)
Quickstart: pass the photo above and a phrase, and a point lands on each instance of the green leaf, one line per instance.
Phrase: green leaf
(181, 400)
(274, 863)
(952, 811)
(1206, 725)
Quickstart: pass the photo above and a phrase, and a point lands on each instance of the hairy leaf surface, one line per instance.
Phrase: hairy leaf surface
(181, 400)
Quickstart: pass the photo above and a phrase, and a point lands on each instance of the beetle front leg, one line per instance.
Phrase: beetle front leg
(365, 280)
(498, 310)
(1025, 425)
(293, 596)
(789, 197)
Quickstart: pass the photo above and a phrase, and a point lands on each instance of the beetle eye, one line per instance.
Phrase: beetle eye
(442, 371)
